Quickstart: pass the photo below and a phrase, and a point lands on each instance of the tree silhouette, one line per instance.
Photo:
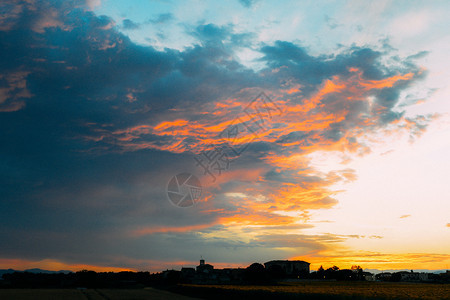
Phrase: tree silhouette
(255, 274)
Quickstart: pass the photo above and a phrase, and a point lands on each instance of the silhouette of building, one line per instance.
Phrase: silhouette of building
(206, 274)
(384, 276)
(204, 268)
(290, 267)
(368, 276)
(187, 273)
(411, 276)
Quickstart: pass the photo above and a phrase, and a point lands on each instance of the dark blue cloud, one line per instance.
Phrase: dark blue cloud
(127, 24)
(162, 18)
(247, 3)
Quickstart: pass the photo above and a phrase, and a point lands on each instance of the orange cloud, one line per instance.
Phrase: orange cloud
(387, 82)
(308, 116)
(298, 131)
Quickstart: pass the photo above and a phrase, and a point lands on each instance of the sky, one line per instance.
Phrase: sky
(312, 130)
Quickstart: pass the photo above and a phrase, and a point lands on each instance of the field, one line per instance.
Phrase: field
(89, 294)
(322, 290)
(299, 290)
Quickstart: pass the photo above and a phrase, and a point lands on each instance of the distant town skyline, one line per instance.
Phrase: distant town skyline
(140, 135)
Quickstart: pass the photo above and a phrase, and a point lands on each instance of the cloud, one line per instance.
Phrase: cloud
(97, 125)
(11, 12)
(331, 22)
(127, 24)
(412, 23)
(162, 18)
(92, 4)
(13, 91)
(405, 216)
(247, 3)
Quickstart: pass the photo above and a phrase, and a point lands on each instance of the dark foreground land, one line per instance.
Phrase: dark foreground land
(299, 290)
(89, 294)
(320, 290)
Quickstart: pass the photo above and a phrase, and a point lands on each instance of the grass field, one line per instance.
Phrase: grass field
(299, 290)
(326, 290)
(90, 294)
